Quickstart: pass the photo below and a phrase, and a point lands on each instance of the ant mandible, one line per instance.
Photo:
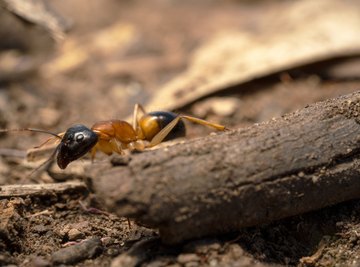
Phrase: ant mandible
(110, 136)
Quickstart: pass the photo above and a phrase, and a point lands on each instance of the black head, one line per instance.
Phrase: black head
(77, 141)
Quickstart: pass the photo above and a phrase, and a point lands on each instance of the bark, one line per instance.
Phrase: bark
(297, 163)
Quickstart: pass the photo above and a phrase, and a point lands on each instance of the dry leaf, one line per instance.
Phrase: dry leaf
(307, 32)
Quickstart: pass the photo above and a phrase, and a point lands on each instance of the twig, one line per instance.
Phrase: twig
(7, 191)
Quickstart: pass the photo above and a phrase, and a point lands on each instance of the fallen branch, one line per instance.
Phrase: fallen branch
(300, 162)
(23, 190)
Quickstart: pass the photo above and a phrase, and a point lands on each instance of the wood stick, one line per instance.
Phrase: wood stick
(300, 162)
(23, 190)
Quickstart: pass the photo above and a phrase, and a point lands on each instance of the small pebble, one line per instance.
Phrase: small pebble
(75, 234)
(203, 246)
(213, 263)
(188, 257)
(236, 251)
(107, 240)
(112, 252)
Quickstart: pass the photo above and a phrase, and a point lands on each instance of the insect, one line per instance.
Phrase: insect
(147, 130)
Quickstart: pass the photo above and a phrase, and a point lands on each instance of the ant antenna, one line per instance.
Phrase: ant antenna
(30, 130)
(46, 163)
(51, 158)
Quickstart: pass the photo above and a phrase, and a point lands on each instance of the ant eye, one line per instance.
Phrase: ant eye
(79, 137)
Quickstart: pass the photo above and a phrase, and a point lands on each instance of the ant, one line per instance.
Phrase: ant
(147, 130)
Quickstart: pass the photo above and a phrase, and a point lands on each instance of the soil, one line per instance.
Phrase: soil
(37, 231)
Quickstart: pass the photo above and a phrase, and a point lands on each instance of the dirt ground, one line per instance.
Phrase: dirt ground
(156, 41)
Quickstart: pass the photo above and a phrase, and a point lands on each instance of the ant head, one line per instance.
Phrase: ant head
(77, 141)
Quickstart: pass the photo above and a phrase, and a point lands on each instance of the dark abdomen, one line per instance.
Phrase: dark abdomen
(163, 118)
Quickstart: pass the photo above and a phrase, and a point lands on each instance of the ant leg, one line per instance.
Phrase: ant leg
(38, 152)
(204, 122)
(93, 153)
(47, 163)
(51, 139)
(138, 145)
(116, 146)
(137, 108)
(159, 137)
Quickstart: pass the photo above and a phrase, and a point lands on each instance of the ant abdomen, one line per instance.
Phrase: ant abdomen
(153, 122)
